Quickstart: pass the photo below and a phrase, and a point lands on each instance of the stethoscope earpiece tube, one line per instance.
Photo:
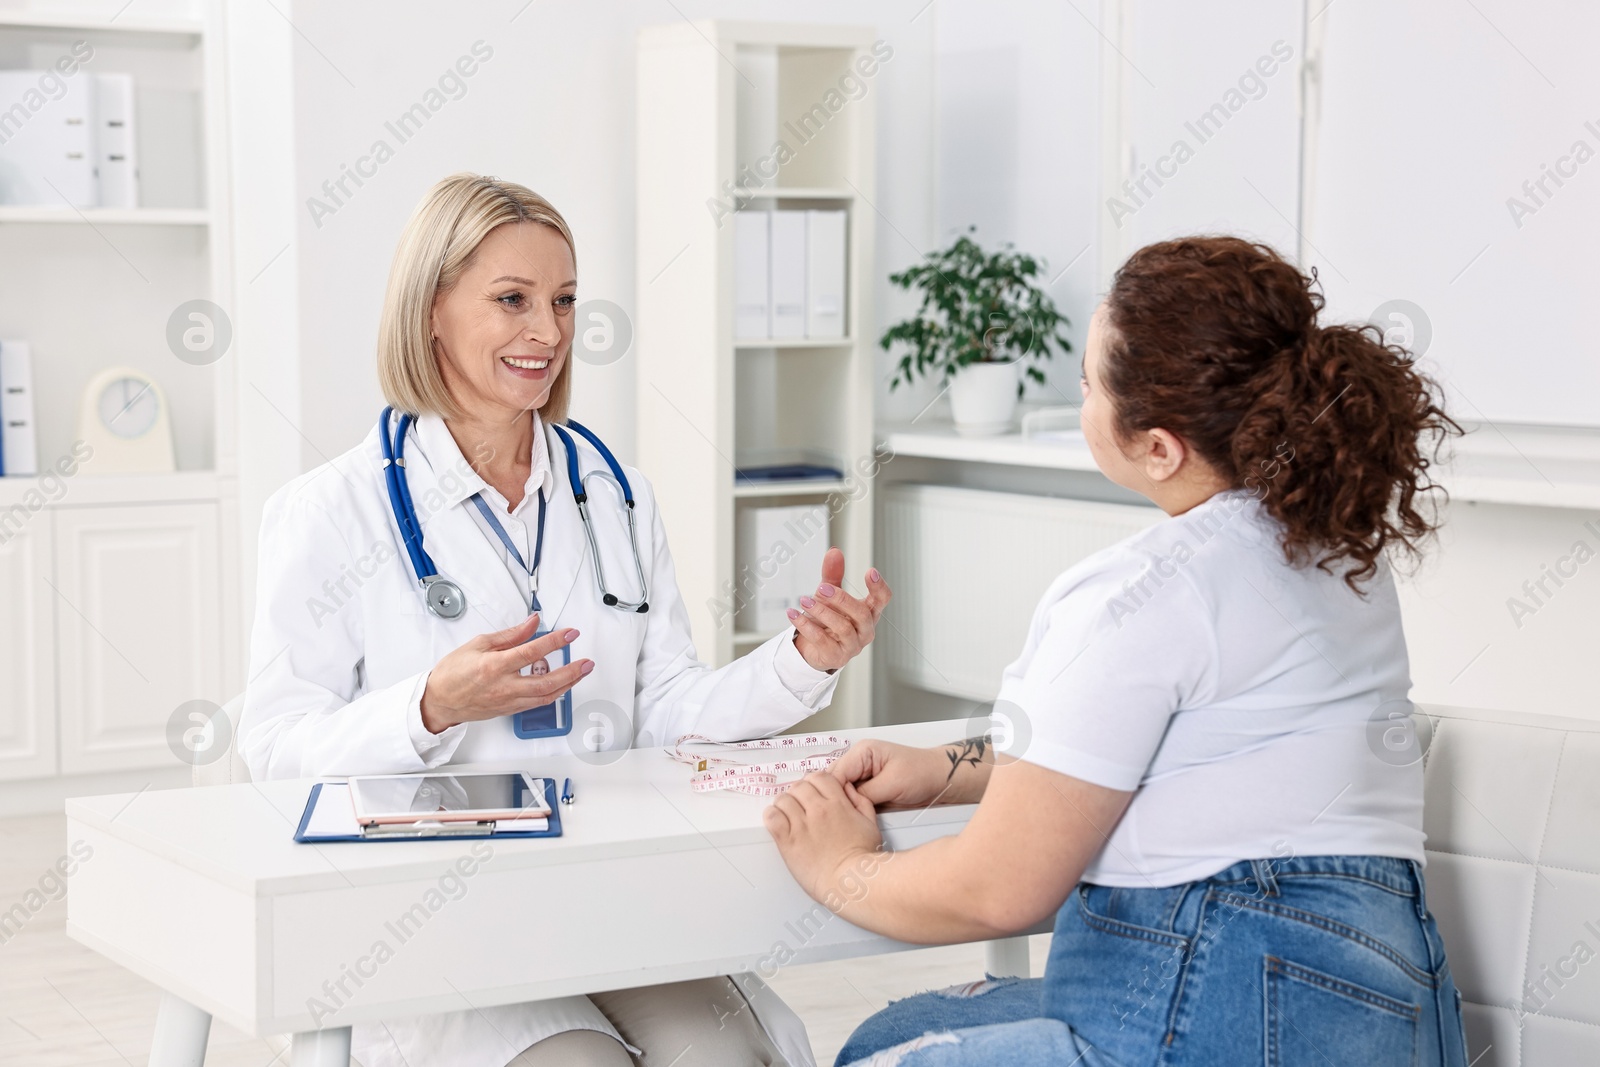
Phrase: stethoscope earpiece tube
(580, 493)
(605, 454)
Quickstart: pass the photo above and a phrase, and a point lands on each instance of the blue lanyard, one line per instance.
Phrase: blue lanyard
(538, 545)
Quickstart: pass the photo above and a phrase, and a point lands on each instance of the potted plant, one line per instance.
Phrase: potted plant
(984, 326)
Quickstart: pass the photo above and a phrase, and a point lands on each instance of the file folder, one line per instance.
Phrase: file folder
(788, 274)
(47, 155)
(19, 442)
(825, 270)
(752, 295)
(115, 142)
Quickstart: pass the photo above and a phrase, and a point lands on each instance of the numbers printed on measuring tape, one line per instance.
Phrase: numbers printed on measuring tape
(757, 779)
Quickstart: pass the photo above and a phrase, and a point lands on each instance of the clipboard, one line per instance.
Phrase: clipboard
(330, 817)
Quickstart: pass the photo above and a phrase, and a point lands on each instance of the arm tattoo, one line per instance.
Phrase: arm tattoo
(969, 751)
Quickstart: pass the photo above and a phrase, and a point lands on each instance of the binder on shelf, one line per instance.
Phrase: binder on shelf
(330, 816)
(19, 442)
(752, 293)
(47, 158)
(786, 472)
(115, 141)
(825, 270)
(788, 274)
(780, 560)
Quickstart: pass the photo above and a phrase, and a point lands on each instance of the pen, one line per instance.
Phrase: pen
(428, 828)
(567, 796)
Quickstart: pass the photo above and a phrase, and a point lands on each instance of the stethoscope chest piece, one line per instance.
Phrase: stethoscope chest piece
(444, 597)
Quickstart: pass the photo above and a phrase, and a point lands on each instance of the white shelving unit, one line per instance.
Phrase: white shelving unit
(1505, 463)
(708, 404)
(180, 18)
(797, 342)
(130, 600)
(145, 216)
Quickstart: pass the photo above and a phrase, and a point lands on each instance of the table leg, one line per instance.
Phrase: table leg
(181, 1033)
(1006, 958)
(321, 1048)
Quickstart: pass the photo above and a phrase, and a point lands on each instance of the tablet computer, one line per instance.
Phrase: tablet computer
(475, 796)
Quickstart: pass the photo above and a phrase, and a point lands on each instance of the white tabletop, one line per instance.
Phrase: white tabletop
(243, 835)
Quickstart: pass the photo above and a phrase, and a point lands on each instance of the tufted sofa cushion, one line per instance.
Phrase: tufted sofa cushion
(1512, 813)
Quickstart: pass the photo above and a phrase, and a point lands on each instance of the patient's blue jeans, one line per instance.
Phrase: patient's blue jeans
(1312, 960)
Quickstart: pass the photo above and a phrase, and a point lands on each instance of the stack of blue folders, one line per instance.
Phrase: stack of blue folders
(786, 472)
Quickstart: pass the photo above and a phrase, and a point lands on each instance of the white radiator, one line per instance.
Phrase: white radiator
(968, 567)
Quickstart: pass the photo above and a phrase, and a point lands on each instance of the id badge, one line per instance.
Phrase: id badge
(553, 719)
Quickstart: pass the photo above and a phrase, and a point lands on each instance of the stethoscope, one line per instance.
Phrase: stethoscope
(444, 597)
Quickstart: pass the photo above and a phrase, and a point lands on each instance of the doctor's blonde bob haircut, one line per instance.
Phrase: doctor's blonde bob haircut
(437, 245)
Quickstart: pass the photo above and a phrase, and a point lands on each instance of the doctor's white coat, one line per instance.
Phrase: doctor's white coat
(342, 645)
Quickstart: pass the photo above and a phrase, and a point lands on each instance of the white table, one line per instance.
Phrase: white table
(205, 893)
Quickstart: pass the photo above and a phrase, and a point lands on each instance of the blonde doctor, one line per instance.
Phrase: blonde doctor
(393, 625)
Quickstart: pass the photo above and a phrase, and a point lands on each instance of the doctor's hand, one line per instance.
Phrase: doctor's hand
(482, 679)
(835, 626)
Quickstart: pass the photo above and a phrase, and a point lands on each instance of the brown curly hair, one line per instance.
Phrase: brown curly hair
(1216, 340)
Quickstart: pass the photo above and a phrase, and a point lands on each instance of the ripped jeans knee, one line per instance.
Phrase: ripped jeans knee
(1023, 1043)
(896, 1056)
(988, 984)
(968, 1004)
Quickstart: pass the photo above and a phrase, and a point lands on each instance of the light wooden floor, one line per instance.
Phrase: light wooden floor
(62, 1005)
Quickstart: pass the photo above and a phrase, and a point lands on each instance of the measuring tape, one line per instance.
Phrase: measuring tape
(757, 779)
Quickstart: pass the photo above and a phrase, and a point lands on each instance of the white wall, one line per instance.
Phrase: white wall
(1469, 646)
(1487, 110)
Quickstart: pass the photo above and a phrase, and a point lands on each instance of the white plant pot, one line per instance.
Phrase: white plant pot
(983, 398)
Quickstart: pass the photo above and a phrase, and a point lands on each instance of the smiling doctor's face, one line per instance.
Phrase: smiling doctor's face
(503, 334)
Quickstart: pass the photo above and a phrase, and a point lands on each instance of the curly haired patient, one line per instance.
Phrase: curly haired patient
(1235, 876)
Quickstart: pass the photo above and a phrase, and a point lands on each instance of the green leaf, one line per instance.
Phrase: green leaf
(975, 306)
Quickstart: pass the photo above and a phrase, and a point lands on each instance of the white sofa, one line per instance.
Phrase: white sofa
(1513, 822)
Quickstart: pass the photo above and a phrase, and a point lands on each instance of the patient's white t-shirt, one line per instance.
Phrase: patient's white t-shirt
(1259, 709)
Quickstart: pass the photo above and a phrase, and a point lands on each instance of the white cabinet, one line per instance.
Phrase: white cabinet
(123, 590)
(138, 617)
(27, 649)
(1206, 123)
